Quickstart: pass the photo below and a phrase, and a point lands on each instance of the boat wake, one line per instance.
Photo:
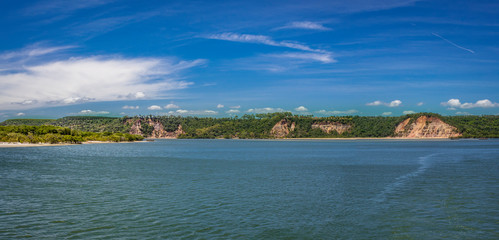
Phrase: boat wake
(424, 163)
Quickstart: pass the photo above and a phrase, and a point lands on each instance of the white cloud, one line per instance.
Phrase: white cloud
(463, 113)
(192, 112)
(261, 39)
(265, 110)
(100, 78)
(20, 114)
(305, 25)
(210, 112)
(220, 106)
(233, 111)
(237, 107)
(408, 112)
(139, 95)
(171, 106)
(420, 103)
(455, 103)
(394, 103)
(87, 111)
(386, 113)
(375, 103)
(154, 107)
(320, 57)
(336, 112)
(130, 107)
(301, 109)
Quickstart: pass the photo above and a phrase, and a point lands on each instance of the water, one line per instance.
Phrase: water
(245, 189)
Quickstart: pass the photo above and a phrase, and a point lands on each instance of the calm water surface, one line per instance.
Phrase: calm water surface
(245, 189)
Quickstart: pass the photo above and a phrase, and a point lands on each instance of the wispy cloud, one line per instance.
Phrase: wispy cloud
(386, 113)
(130, 107)
(305, 25)
(453, 44)
(100, 78)
(320, 57)
(192, 112)
(62, 6)
(394, 103)
(456, 103)
(90, 112)
(103, 25)
(171, 106)
(336, 112)
(265, 110)
(220, 106)
(262, 39)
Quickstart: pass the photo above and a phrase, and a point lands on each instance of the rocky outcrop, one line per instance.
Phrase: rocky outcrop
(158, 129)
(425, 127)
(135, 128)
(282, 128)
(329, 127)
(159, 132)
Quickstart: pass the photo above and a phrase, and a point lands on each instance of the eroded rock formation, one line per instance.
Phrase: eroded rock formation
(425, 127)
(282, 128)
(158, 129)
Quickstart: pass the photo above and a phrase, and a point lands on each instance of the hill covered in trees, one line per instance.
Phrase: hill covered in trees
(279, 125)
(53, 134)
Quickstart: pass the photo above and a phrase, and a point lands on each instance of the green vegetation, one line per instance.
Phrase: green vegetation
(53, 134)
(29, 122)
(475, 126)
(247, 126)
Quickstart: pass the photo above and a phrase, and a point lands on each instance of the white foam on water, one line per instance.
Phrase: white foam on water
(424, 164)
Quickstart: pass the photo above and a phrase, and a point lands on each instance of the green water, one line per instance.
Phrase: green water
(243, 189)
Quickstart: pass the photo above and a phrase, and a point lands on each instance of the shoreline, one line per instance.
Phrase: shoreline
(18, 144)
(15, 145)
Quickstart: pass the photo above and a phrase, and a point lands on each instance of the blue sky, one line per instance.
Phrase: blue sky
(226, 58)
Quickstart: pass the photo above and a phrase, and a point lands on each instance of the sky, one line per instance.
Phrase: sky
(226, 58)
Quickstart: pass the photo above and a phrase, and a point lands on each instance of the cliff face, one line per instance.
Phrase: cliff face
(328, 127)
(425, 127)
(282, 128)
(135, 129)
(158, 129)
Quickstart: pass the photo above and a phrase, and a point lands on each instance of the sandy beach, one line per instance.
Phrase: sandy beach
(11, 145)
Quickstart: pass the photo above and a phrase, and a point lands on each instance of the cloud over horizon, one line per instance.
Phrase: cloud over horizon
(394, 103)
(456, 103)
(86, 79)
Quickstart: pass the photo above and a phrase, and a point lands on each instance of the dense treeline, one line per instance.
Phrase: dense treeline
(260, 125)
(475, 126)
(54, 134)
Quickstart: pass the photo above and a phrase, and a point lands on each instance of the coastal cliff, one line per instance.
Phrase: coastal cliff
(152, 129)
(282, 128)
(425, 127)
